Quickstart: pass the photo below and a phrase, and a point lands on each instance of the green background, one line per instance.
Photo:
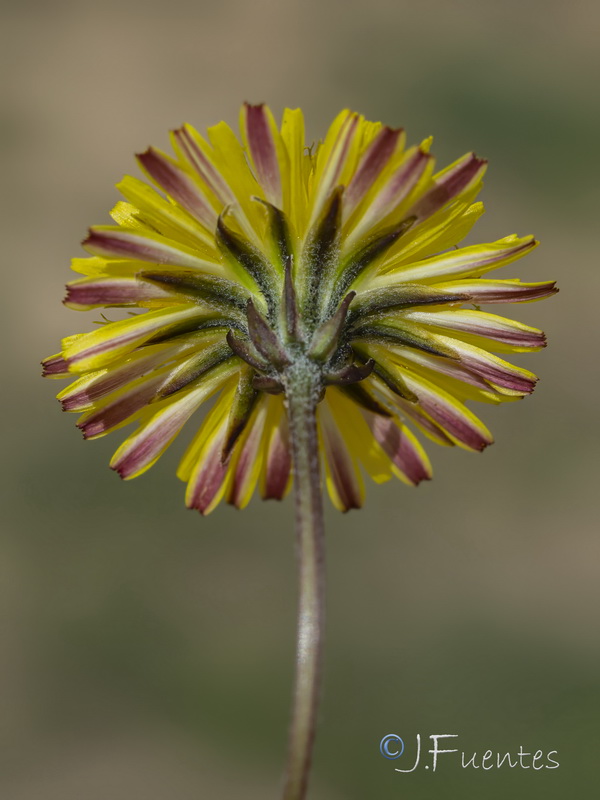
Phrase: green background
(147, 652)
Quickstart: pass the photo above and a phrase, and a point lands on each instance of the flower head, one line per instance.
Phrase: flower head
(253, 260)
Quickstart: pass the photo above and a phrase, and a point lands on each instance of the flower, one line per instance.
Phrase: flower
(250, 258)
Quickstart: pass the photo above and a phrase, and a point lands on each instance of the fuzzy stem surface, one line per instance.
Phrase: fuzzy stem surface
(303, 385)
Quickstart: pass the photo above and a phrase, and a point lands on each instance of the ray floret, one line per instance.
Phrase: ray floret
(243, 261)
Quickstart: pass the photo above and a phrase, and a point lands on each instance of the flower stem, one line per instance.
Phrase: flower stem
(303, 387)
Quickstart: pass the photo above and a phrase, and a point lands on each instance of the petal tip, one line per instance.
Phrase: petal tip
(119, 469)
(485, 442)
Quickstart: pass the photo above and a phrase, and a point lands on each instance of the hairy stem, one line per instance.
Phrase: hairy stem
(303, 387)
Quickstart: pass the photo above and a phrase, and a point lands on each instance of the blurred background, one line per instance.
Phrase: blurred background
(147, 652)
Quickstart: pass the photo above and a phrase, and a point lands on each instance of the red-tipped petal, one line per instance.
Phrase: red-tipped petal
(371, 164)
(455, 419)
(94, 292)
(509, 291)
(401, 447)
(114, 412)
(344, 481)
(448, 185)
(98, 348)
(259, 134)
(173, 180)
(278, 457)
(199, 160)
(470, 262)
(113, 242)
(278, 468)
(142, 449)
(331, 162)
(430, 428)
(247, 465)
(55, 367)
(82, 394)
(209, 476)
(401, 183)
